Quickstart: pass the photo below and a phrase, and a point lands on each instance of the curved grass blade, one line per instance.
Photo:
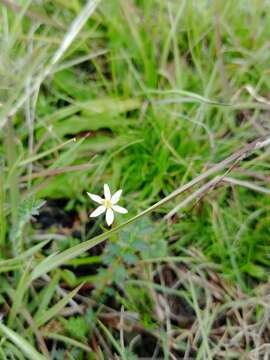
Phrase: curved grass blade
(18, 259)
(187, 96)
(54, 310)
(67, 340)
(21, 343)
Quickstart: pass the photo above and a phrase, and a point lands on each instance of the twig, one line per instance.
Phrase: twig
(254, 175)
(198, 193)
(236, 158)
(54, 172)
(246, 184)
(201, 192)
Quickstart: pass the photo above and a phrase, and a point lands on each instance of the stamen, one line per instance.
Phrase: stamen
(107, 203)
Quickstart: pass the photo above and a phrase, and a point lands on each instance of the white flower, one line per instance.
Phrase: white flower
(107, 204)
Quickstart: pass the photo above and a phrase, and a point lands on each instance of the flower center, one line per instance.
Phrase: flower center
(107, 203)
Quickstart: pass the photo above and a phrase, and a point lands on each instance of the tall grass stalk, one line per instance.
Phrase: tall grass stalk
(3, 227)
(13, 182)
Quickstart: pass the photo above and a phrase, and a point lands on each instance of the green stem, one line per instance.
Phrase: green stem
(12, 176)
(3, 227)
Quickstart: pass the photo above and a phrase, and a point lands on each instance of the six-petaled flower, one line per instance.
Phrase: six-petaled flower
(108, 204)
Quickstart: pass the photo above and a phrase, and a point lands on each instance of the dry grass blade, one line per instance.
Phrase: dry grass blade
(75, 28)
(246, 184)
(30, 14)
(55, 172)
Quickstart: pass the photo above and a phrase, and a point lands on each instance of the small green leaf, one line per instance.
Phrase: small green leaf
(69, 277)
(130, 258)
(255, 271)
(77, 327)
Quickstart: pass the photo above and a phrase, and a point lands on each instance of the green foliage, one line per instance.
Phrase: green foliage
(26, 210)
(155, 92)
(136, 242)
(77, 327)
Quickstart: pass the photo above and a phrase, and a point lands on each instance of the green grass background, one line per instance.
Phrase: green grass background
(155, 92)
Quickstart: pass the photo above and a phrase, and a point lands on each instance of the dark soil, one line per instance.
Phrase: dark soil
(54, 216)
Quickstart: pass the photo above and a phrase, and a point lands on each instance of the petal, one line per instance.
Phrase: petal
(119, 209)
(107, 192)
(95, 198)
(100, 210)
(109, 217)
(115, 198)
